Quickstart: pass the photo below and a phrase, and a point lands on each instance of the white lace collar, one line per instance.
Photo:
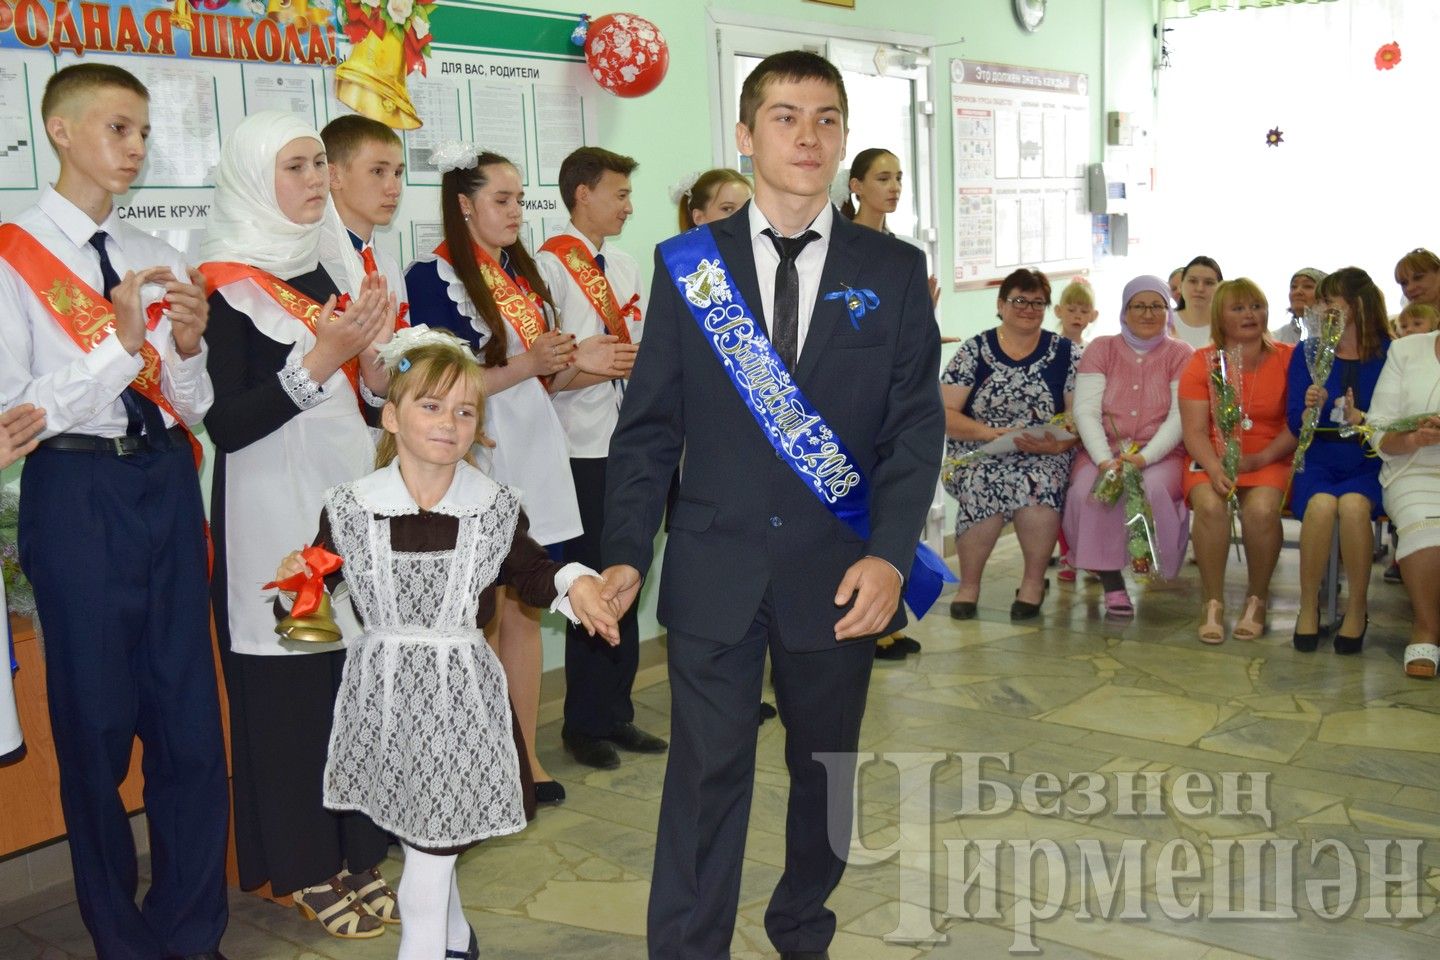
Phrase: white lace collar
(455, 290)
(384, 493)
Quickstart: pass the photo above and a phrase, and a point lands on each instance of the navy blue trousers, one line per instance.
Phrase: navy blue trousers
(114, 547)
(598, 677)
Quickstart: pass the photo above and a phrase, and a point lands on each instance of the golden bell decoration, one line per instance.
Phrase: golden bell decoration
(318, 627)
(371, 82)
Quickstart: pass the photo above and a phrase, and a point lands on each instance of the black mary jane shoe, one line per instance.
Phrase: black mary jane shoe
(549, 793)
(1020, 610)
(1348, 646)
(1305, 642)
(962, 610)
(471, 952)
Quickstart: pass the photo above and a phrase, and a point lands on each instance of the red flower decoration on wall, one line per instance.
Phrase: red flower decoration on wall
(1387, 56)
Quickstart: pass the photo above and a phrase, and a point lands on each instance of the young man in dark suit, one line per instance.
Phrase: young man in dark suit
(755, 560)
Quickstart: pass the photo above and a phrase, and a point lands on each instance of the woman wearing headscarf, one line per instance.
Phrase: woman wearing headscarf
(1127, 411)
(294, 375)
(1303, 287)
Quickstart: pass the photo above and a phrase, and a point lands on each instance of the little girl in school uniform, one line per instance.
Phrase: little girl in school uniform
(422, 739)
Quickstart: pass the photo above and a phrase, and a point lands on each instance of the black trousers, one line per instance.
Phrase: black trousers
(598, 677)
(709, 779)
(115, 549)
(281, 710)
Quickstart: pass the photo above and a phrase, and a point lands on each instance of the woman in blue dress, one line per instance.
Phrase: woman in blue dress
(1340, 483)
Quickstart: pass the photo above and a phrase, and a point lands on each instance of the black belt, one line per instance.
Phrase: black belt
(119, 446)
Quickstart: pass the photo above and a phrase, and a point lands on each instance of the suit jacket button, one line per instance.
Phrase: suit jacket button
(776, 521)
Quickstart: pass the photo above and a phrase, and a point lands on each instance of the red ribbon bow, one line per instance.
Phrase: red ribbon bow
(358, 23)
(154, 312)
(309, 586)
(415, 51)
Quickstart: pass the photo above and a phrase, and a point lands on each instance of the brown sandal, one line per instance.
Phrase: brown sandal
(339, 910)
(374, 892)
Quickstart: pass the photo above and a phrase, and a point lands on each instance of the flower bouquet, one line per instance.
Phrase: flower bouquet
(954, 465)
(1111, 483)
(1226, 390)
(1140, 525)
(19, 597)
(1367, 430)
(1325, 328)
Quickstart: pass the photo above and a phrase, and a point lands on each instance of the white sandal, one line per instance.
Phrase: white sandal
(1422, 659)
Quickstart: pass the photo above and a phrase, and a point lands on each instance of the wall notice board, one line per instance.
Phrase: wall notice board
(1021, 146)
(508, 79)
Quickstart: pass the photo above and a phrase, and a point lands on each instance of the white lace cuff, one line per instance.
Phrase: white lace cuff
(371, 399)
(564, 577)
(299, 385)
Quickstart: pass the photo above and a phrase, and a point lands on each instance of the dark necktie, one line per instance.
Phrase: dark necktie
(140, 411)
(785, 324)
(600, 261)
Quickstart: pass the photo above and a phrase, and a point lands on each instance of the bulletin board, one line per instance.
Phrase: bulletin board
(1021, 147)
(507, 79)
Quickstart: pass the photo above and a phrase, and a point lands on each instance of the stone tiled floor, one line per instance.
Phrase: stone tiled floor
(1351, 748)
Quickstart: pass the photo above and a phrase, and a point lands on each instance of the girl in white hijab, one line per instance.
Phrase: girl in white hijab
(294, 323)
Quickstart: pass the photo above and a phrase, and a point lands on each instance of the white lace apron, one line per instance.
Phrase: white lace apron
(422, 739)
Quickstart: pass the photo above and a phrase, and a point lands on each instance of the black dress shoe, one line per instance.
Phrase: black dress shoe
(627, 736)
(906, 643)
(591, 751)
(1305, 642)
(889, 651)
(1346, 646)
(962, 609)
(768, 711)
(1020, 610)
(804, 955)
(209, 955)
(549, 792)
(471, 952)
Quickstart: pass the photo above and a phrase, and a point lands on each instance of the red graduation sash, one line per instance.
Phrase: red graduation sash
(85, 316)
(513, 298)
(222, 273)
(578, 262)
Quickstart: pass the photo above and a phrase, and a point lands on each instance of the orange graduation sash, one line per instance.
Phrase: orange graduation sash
(222, 273)
(578, 262)
(86, 317)
(514, 299)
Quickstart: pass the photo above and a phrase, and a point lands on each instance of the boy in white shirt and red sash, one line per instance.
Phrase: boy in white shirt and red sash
(100, 325)
(367, 176)
(597, 293)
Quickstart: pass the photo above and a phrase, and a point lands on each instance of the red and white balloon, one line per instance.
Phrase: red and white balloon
(627, 55)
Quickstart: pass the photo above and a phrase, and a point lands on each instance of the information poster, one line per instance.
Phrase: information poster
(1021, 146)
(523, 93)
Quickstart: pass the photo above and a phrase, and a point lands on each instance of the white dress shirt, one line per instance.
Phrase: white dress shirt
(40, 364)
(388, 267)
(589, 414)
(809, 265)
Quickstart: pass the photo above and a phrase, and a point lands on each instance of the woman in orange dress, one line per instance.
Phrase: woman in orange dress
(1239, 322)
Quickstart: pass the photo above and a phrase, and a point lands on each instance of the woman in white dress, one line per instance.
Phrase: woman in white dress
(1409, 385)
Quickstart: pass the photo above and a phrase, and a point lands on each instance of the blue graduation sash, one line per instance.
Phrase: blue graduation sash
(793, 427)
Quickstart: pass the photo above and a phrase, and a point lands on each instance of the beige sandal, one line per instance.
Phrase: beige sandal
(1251, 624)
(339, 911)
(1213, 629)
(374, 892)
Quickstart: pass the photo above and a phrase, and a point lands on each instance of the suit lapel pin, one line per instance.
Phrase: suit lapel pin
(857, 301)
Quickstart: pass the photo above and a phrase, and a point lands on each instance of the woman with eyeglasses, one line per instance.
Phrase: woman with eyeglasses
(1127, 411)
(1014, 378)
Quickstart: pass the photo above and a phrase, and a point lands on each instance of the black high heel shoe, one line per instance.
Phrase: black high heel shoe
(471, 952)
(1346, 646)
(1020, 610)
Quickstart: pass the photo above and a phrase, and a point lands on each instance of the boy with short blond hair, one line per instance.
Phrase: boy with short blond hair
(112, 528)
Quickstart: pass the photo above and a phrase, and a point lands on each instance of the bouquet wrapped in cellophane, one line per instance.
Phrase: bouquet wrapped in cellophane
(1226, 395)
(1401, 425)
(1139, 525)
(1325, 328)
(953, 465)
(1111, 483)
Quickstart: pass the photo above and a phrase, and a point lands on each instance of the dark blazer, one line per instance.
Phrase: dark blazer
(745, 522)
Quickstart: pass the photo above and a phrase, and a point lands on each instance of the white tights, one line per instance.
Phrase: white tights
(430, 903)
